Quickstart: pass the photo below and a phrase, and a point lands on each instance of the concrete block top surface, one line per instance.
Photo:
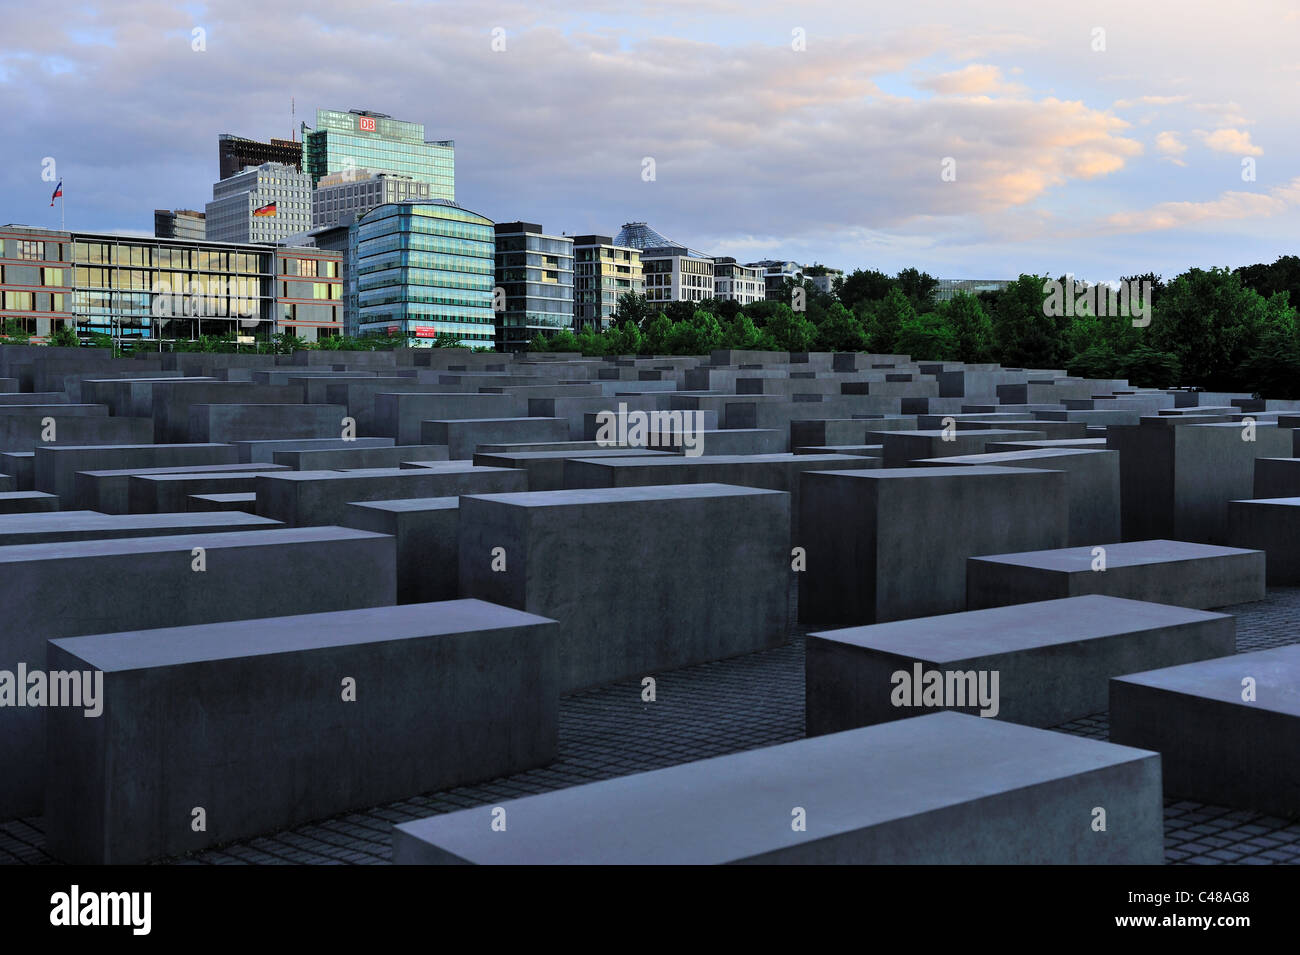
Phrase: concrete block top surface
(94, 520)
(410, 504)
(738, 806)
(1272, 501)
(714, 460)
(1031, 454)
(1131, 554)
(976, 633)
(441, 466)
(103, 448)
(931, 474)
(169, 646)
(1276, 673)
(622, 495)
(119, 546)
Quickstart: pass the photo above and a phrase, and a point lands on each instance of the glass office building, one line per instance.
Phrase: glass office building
(603, 273)
(361, 139)
(417, 269)
(141, 290)
(535, 271)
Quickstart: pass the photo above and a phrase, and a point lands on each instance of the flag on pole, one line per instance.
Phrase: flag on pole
(58, 193)
(266, 210)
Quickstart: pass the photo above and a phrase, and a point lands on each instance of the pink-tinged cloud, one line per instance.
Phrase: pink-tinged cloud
(1228, 206)
(1148, 101)
(976, 79)
(1235, 141)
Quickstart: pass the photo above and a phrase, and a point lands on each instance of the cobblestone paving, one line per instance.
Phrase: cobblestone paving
(710, 710)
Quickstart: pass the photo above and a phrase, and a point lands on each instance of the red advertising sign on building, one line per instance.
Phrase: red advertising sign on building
(366, 124)
(422, 331)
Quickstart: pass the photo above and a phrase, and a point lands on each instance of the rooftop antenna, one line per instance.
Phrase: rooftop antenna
(293, 114)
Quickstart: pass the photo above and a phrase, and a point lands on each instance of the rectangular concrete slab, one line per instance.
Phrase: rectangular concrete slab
(641, 579)
(1227, 730)
(302, 498)
(101, 586)
(939, 789)
(1272, 526)
(445, 694)
(892, 543)
(428, 549)
(1040, 664)
(57, 526)
(1168, 572)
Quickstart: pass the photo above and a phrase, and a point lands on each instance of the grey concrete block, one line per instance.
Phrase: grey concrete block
(1276, 477)
(1176, 482)
(109, 491)
(939, 789)
(904, 447)
(1092, 480)
(775, 472)
(400, 415)
(1214, 745)
(83, 587)
(610, 563)
(163, 493)
(892, 543)
(56, 466)
(27, 502)
(359, 458)
(546, 468)
(463, 436)
(248, 422)
(56, 526)
(1272, 526)
(27, 433)
(1180, 573)
(428, 548)
(222, 502)
(1040, 664)
(446, 694)
(302, 498)
(261, 451)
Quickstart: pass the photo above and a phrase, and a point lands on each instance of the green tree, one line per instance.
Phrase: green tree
(14, 332)
(841, 331)
(887, 318)
(657, 334)
(863, 286)
(63, 337)
(971, 327)
(791, 330)
(926, 338)
(918, 287)
(1025, 336)
(634, 308)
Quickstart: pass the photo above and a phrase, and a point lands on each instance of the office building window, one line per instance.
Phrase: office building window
(31, 250)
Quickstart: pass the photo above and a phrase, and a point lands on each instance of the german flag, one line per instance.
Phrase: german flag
(266, 210)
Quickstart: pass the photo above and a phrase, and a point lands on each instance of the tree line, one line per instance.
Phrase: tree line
(1217, 329)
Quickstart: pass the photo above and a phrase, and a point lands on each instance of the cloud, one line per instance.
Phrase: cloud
(1148, 101)
(1233, 141)
(1170, 147)
(970, 80)
(1228, 206)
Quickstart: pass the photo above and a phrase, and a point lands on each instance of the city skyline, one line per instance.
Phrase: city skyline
(883, 140)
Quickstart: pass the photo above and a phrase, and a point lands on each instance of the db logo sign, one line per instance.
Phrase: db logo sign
(367, 124)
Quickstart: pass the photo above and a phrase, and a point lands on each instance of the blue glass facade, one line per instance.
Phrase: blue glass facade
(371, 141)
(420, 269)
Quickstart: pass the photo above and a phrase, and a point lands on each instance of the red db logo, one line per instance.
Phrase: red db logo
(367, 124)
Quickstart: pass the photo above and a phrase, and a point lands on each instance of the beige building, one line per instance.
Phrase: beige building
(602, 272)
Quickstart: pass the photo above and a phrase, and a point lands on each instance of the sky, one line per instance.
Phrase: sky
(969, 140)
